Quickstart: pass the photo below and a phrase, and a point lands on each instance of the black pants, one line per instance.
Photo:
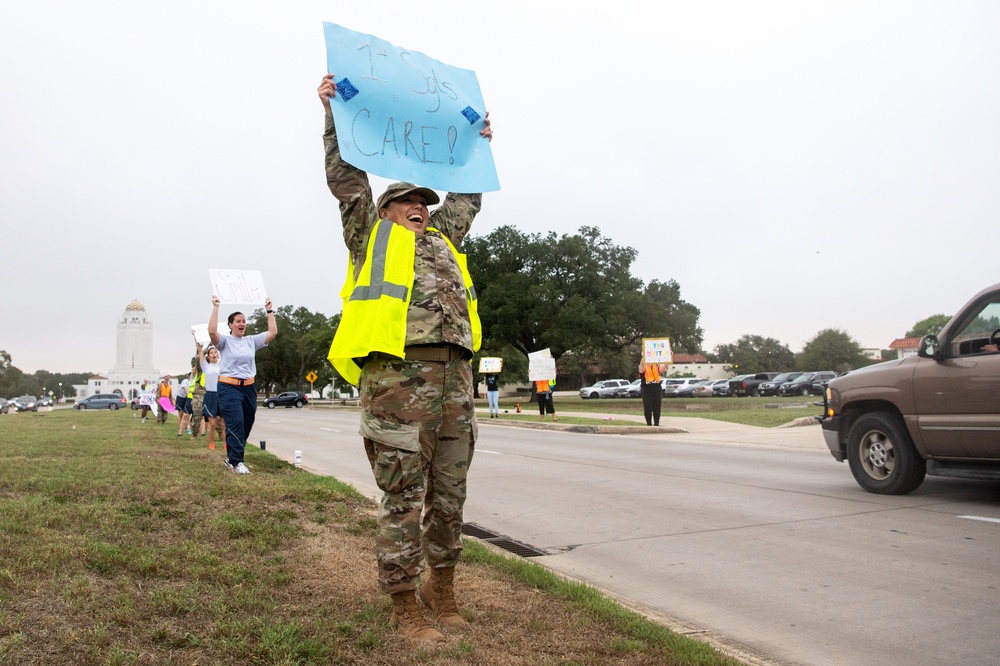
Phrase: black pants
(652, 398)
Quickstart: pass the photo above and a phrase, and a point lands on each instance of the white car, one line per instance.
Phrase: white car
(604, 389)
(673, 385)
(710, 389)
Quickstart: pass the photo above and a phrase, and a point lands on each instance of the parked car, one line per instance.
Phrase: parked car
(45, 401)
(25, 403)
(748, 384)
(676, 387)
(803, 384)
(708, 388)
(633, 390)
(771, 387)
(4, 406)
(721, 390)
(102, 401)
(934, 413)
(819, 384)
(685, 390)
(603, 389)
(737, 378)
(295, 399)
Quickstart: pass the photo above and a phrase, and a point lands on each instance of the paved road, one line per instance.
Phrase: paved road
(748, 537)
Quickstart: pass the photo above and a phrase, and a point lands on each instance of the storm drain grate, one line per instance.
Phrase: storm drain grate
(500, 541)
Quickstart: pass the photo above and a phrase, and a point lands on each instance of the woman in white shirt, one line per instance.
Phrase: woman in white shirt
(237, 373)
(208, 359)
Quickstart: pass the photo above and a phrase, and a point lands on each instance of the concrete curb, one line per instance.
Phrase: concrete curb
(589, 429)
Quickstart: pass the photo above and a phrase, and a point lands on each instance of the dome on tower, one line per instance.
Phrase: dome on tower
(135, 305)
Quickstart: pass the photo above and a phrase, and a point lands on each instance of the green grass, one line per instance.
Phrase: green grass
(123, 544)
(762, 412)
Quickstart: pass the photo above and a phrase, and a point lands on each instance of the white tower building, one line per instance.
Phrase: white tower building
(134, 350)
(133, 356)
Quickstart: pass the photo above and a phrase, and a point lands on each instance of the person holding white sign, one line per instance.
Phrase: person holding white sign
(408, 330)
(237, 372)
(651, 391)
(493, 394)
(543, 389)
(208, 360)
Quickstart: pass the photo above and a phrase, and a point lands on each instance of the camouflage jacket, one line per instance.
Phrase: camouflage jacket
(438, 312)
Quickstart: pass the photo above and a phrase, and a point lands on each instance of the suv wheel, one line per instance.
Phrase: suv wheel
(298, 404)
(755, 392)
(269, 405)
(595, 395)
(804, 391)
(882, 457)
(113, 406)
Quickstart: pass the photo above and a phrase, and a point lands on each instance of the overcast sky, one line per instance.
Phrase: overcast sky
(794, 166)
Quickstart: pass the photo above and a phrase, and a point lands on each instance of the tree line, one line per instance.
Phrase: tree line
(573, 294)
(14, 382)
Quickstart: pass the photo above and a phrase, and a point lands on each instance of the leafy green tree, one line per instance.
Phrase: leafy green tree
(572, 293)
(983, 326)
(831, 349)
(6, 381)
(755, 353)
(930, 326)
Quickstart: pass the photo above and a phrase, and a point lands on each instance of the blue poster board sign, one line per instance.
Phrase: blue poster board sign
(403, 116)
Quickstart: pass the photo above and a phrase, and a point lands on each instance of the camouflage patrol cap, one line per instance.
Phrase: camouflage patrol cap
(397, 190)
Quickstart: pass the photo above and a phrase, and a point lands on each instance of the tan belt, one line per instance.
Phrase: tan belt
(438, 353)
(235, 381)
(435, 353)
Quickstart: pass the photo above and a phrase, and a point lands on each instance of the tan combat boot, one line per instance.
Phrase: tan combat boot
(438, 594)
(409, 621)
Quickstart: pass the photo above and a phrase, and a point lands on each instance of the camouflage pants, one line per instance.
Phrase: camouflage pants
(197, 401)
(419, 427)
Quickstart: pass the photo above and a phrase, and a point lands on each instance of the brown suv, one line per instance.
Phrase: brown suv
(934, 413)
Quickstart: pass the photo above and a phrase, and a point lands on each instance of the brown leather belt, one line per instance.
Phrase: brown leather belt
(437, 353)
(434, 353)
(236, 381)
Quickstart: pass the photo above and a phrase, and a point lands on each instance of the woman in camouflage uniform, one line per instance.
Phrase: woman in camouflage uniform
(418, 416)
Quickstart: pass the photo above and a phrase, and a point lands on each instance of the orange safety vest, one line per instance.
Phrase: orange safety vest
(651, 374)
(542, 386)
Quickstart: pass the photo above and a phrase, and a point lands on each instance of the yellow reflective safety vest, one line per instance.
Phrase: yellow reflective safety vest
(375, 305)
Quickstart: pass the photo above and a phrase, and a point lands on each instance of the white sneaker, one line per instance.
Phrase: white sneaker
(241, 469)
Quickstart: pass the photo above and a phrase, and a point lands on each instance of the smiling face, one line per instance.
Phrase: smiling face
(409, 210)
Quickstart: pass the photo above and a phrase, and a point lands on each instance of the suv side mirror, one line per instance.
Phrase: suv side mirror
(930, 347)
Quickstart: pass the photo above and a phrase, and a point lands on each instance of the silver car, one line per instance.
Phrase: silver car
(24, 403)
(102, 401)
(604, 389)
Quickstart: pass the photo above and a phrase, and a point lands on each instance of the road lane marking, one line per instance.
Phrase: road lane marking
(330, 429)
(982, 518)
(496, 453)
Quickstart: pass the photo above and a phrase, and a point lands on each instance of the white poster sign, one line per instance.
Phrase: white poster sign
(490, 365)
(237, 286)
(201, 333)
(656, 350)
(541, 365)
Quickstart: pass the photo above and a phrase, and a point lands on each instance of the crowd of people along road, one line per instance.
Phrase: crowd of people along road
(413, 371)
